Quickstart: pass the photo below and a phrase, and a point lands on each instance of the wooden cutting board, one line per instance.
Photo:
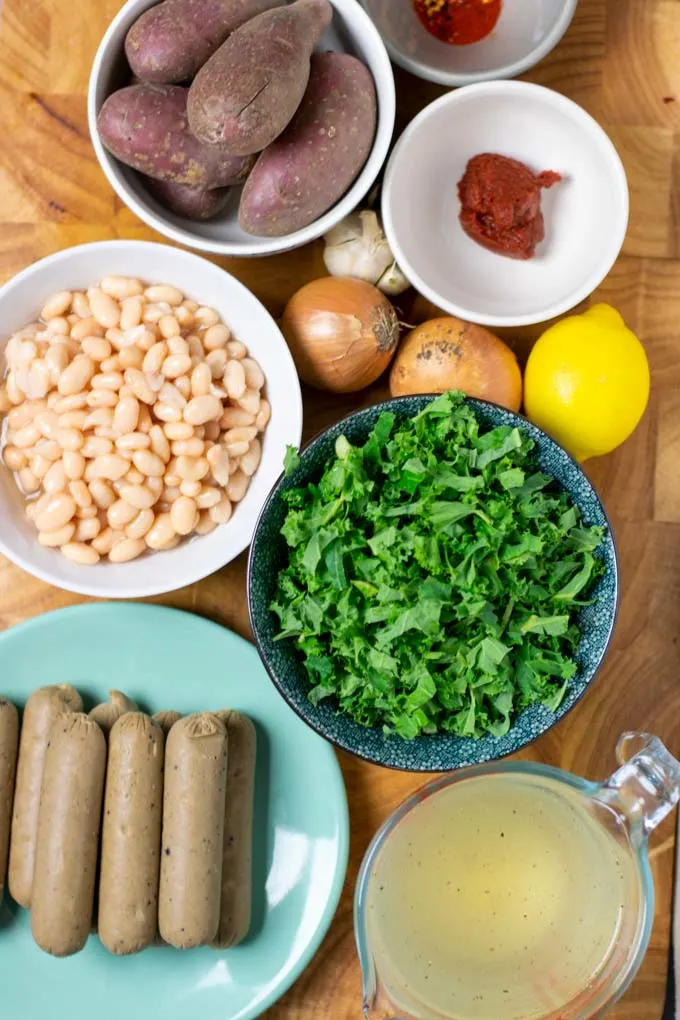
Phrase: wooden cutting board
(621, 61)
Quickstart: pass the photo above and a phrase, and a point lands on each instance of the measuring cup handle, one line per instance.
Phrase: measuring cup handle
(647, 785)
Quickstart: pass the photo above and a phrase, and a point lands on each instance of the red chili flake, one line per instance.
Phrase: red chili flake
(460, 22)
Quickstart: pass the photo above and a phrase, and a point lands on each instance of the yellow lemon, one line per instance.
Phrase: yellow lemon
(587, 382)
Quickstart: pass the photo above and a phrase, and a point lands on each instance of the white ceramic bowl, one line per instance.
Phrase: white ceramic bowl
(526, 31)
(586, 215)
(351, 31)
(154, 572)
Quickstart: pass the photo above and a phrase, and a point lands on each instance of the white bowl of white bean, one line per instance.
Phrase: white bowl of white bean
(146, 405)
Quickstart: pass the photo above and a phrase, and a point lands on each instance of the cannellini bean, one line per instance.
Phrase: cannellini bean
(86, 328)
(27, 436)
(206, 317)
(183, 384)
(250, 461)
(254, 374)
(12, 389)
(56, 359)
(111, 364)
(171, 493)
(263, 415)
(96, 347)
(193, 447)
(105, 310)
(131, 357)
(96, 446)
(80, 305)
(205, 522)
(190, 489)
(58, 304)
(195, 348)
(111, 466)
(76, 376)
(121, 287)
(87, 529)
(184, 515)
(237, 449)
(221, 512)
(159, 443)
(236, 350)
(133, 441)
(250, 401)
(138, 527)
(71, 403)
(102, 494)
(139, 384)
(27, 481)
(105, 541)
(74, 464)
(38, 382)
(235, 379)
(54, 539)
(166, 413)
(202, 409)
(155, 310)
(14, 459)
(100, 417)
(192, 469)
(137, 496)
(79, 552)
(69, 439)
(190, 305)
(177, 345)
(101, 398)
(144, 421)
(215, 337)
(120, 514)
(172, 479)
(169, 394)
(106, 433)
(178, 430)
(72, 420)
(201, 378)
(108, 380)
(41, 503)
(80, 493)
(184, 317)
(128, 549)
(169, 326)
(131, 312)
(133, 477)
(40, 466)
(58, 512)
(207, 497)
(154, 357)
(240, 434)
(58, 326)
(49, 449)
(155, 484)
(29, 411)
(161, 292)
(126, 415)
(148, 463)
(176, 365)
(86, 513)
(237, 486)
(162, 533)
(235, 417)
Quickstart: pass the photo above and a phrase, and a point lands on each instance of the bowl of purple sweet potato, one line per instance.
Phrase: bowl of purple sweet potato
(241, 127)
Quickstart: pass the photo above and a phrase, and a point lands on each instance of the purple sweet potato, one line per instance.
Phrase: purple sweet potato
(249, 90)
(170, 42)
(312, 164)
(190, 203)
(145, 126)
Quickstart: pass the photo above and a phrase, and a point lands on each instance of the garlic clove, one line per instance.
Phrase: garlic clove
(393, 281)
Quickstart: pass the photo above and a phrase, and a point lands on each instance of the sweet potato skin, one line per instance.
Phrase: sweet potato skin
(249, 90)
(191, 203)
(170, 42)
(321, 152)
(145, 127)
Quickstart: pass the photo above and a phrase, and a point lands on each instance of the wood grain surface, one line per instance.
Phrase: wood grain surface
(621, 61)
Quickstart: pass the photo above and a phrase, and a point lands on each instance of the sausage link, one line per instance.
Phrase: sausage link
(68, 835)
(9, 743)
(42, 708)
(166, 720)
(106, 714)
(237, 854)
(131, 835)
(193, 831)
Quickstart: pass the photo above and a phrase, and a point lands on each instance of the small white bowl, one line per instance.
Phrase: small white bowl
(351, 31)
(586, 215)
(525, 33)
(154, 572)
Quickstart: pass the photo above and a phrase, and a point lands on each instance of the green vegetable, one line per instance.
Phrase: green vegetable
(434, 576)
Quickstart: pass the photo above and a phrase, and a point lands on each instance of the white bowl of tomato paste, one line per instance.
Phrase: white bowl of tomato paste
(458, 42)
(505, 203)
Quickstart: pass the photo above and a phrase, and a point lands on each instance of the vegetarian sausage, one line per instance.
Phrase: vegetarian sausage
(131, 835)
(9, 742)
(106, 714)
(237, 851)
(166, 720)
(68, 835)
(42, 708)
(193, 831)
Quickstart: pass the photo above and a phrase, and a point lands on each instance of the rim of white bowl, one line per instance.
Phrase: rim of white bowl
(559, 307)
(190, 577)
(259, 246)
(456, 79)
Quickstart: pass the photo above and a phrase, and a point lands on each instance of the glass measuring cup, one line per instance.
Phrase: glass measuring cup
(412, 950)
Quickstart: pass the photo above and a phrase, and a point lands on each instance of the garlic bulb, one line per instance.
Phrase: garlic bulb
(358, 247)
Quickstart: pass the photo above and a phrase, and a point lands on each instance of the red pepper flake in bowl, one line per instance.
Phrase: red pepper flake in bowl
(460, 22)
(501, 204)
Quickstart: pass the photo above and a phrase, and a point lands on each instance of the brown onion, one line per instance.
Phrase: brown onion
(342, 333)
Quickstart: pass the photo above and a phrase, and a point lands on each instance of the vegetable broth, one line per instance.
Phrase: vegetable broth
(501, 898)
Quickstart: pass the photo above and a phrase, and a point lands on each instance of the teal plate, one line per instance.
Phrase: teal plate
(168, 659)
(441, 753)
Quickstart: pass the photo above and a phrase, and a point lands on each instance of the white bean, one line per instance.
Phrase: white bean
(120, 514)
(237, 486)
(183, 384)
(237, 449)
(101, 398)
(184, 515)
(105, 541)
(192, 469)
(201, 378)
(58, 512)
(96, 347)
(215, 337)
(254, 374)
(162, 533)
(191, 489)
(207, 497)
(176, 365)
(250, 401)
(58, 304)
(111, 466)
(28, 483)
(128, 549)
(49, 449)
(80, 305)
(29, 411)
(155, 311)
(107, 380)
(178, 430)
(240, 434)
(55, 478)
(138, 527)
(145, 420)
(263, 415)
(56, 359)
(200, 410)
(54, 539)
(154, 357)
(235, 417)
(206, 317)
(133, 477)
(14, 459)
(105, 310)
(80, 493)
(126, 415)
(235, 380)
(250, 461)
(74, 465)
(195, 348)
(131, 357)
(169, 326)
(76, 376)
(71, 403)
(193, 447)
(139, 384)
(148, 463)
(205, 522)
(184, 317)
(72, 420)
(100, 417)
(159, 443)
(155, 484)
(133, 441)
(39, 466)
(69, 439)
(96, 446)
(86, 328)
(221, 512)
(236, 350)
(131, 312)
(165, 413)
(58, 326)
(102, 494)
(88, 529)
(163, 293)
(111, 364)
(79, 552)
(121, 287)
(28, 436)
(138, 496)
(86, 513)
(170, 395)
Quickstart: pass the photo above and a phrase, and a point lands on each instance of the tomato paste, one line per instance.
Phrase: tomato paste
(501, 204)
(460, 22)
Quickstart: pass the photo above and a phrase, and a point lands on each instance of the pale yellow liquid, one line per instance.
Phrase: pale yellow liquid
(501, 898)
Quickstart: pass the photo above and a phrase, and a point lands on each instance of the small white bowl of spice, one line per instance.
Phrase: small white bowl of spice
(458, 42)
(146, 403)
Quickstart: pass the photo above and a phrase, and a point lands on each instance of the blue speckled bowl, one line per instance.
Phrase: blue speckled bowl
(425, 753)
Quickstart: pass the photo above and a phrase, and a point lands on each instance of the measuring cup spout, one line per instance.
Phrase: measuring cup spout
(647, 785)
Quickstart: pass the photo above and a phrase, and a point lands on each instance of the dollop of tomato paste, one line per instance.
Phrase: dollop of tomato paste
(501, 204)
